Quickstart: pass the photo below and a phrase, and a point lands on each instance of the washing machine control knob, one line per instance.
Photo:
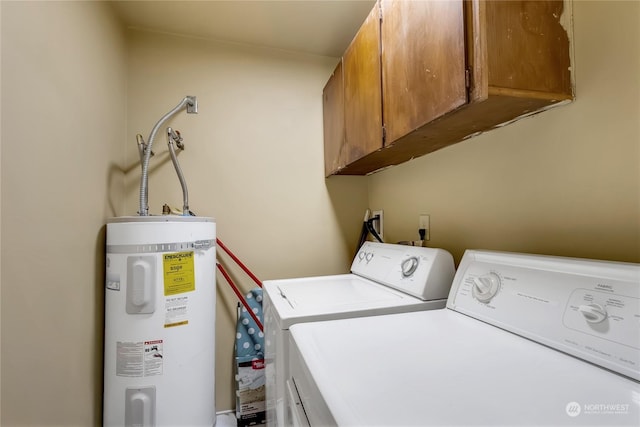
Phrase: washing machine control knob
(409, 266)
(486, 287)
(593, 313)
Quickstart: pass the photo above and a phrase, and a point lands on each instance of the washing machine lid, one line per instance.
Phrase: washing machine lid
(441, 367)
(337, 297)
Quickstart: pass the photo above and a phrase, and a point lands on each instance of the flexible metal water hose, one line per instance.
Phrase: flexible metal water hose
(144, 179)
(174, 136)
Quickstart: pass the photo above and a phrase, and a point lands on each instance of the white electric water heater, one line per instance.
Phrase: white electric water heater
(160, 298)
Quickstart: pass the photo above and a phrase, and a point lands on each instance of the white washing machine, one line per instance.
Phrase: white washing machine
(385, 278)
(524, 340)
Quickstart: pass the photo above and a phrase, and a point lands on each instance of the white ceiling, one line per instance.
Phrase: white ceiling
(320, 27)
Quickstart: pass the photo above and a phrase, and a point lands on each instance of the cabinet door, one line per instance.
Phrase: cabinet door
(423, 63)
(529, 49)
(333, 115)
(362, 91)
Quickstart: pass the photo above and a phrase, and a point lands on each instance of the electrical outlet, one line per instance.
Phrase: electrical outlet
(379, 224)
(423, 224)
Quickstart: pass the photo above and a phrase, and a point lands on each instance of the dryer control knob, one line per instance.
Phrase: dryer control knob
(593, 313)
(486, 287)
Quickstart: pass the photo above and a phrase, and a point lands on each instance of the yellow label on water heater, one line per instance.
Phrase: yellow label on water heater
(178, 273)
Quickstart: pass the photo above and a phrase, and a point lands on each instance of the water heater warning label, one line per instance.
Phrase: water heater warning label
(178, 273)
(139, 358)
(153, 358)
(176, 311)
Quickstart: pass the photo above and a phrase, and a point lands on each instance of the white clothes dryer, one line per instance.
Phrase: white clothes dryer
(524, 340)
(384, 279)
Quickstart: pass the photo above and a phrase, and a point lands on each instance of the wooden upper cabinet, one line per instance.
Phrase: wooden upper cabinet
(362, 97)
(422, 75)
(333, 113)
(360, 109)
(423, 63)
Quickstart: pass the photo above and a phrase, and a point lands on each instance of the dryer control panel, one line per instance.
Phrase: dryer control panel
(425, 273)
(587, 308)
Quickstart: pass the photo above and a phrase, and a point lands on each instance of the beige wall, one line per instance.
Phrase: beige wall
(565, 182)
(63, 125)
(75, 93)
(253, 161)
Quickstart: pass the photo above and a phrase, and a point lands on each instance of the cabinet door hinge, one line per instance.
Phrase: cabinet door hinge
(467, 78)
(384, 134)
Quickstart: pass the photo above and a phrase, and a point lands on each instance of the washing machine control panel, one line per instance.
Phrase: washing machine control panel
(590, 309)
(425, 273)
